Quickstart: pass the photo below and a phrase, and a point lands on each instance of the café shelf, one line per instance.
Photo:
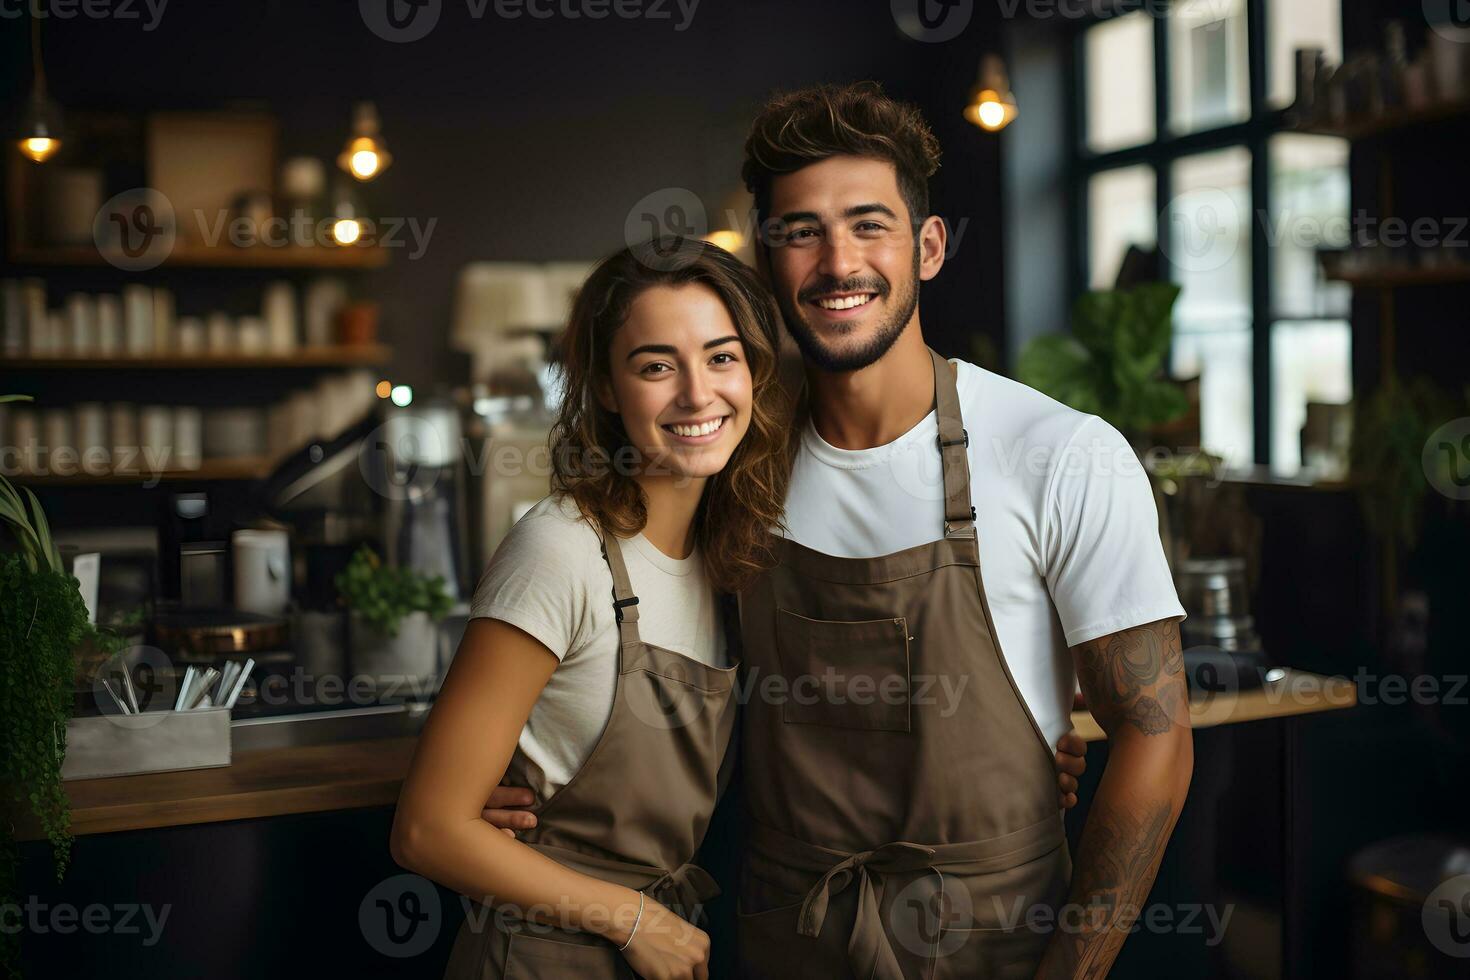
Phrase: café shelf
(1393, 278)
(1397, 121)
(235, 468)
(353, 355)
(215, 256)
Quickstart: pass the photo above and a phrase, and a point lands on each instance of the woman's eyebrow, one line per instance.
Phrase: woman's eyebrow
(671, 349)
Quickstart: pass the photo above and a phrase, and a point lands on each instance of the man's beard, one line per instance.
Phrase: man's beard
(888, 332)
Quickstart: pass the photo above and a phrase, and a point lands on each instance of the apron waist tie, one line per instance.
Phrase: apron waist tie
(683, 890)
(869, 948)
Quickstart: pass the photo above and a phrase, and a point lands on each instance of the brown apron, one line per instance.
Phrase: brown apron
(635, 813)
(898, 828)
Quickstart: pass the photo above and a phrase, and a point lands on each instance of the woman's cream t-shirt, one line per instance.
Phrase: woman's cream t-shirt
(548, 578)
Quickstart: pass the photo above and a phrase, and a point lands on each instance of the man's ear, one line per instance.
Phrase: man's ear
(933, 243)
(763, 261)
(604, 392)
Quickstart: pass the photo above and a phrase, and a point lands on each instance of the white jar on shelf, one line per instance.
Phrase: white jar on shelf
(219, 333)
(109, 324)
(250, 339)
(190, 336)
(278, 310)
(188, 438)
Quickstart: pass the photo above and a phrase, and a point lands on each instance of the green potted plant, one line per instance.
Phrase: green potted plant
(42, 621)
(393, 622)
(1390, 430)
(1112, 363)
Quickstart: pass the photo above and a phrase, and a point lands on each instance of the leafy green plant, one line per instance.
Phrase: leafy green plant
(42, 621)
(24, 517)
(1112, 362)
(383, 595)
(1390, 430)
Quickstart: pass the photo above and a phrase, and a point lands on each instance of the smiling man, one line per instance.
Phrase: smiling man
(895, 834)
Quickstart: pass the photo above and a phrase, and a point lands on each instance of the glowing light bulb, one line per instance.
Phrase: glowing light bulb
(345, 231)
(364, 164)
(402, 396)
(39, 148)
(728, 239)
(384, 388)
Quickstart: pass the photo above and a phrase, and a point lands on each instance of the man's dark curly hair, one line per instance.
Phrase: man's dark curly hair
(796, 129)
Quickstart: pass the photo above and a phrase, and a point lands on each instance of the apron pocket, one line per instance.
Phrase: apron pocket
(844, 674)
(532, 957)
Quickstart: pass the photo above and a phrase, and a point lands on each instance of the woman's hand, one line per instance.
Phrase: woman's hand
(1071, 764)
(506, 809)
(665, 946)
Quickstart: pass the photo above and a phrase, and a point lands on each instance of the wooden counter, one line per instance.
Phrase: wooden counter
(1298, 693)
(273, 782)
(265, 783)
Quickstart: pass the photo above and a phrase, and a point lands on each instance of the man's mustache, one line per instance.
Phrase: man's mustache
(853, 285)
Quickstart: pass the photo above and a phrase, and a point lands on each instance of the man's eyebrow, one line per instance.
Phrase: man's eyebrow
(792, 217)
(670, 349)
(875, 207)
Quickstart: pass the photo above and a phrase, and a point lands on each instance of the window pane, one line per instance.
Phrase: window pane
(1310, 205)
(1209, 84)
(1209, 252)
(1120, 82)
(1311, 361)
(1120, 212)
(1221, 359)
(1300, 24)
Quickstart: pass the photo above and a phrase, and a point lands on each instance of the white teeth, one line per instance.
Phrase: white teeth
(703, 429)
(844, 302)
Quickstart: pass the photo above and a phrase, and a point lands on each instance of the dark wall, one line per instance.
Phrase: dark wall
(530, 139)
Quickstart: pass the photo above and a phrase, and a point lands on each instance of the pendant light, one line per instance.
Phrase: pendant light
(365, 155)
(39, 136)
(992, 105)
(348, 214)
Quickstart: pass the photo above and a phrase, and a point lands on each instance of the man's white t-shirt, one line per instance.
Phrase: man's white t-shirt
(1069, 535)
(548, 578)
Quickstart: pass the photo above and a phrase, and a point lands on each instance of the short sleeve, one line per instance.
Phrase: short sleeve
(538, 581)
(1105, 565)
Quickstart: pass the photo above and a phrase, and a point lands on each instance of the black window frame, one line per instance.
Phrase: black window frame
(1254, 134)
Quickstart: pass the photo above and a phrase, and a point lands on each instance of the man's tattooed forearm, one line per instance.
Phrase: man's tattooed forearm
(1119, 857)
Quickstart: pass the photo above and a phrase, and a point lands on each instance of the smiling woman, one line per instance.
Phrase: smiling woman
(672, 375)
(595, 672)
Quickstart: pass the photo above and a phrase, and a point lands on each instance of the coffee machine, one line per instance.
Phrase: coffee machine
(394, 481)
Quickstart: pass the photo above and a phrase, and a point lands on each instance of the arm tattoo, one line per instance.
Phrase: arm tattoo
(1126, 847)
(1136, 677)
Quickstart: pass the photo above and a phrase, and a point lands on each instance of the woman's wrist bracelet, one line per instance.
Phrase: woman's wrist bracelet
(634, 931)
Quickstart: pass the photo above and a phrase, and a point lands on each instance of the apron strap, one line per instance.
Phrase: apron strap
(954, 442)
(625, 603)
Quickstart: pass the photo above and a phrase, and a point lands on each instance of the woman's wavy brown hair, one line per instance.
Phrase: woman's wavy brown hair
(745, 500)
